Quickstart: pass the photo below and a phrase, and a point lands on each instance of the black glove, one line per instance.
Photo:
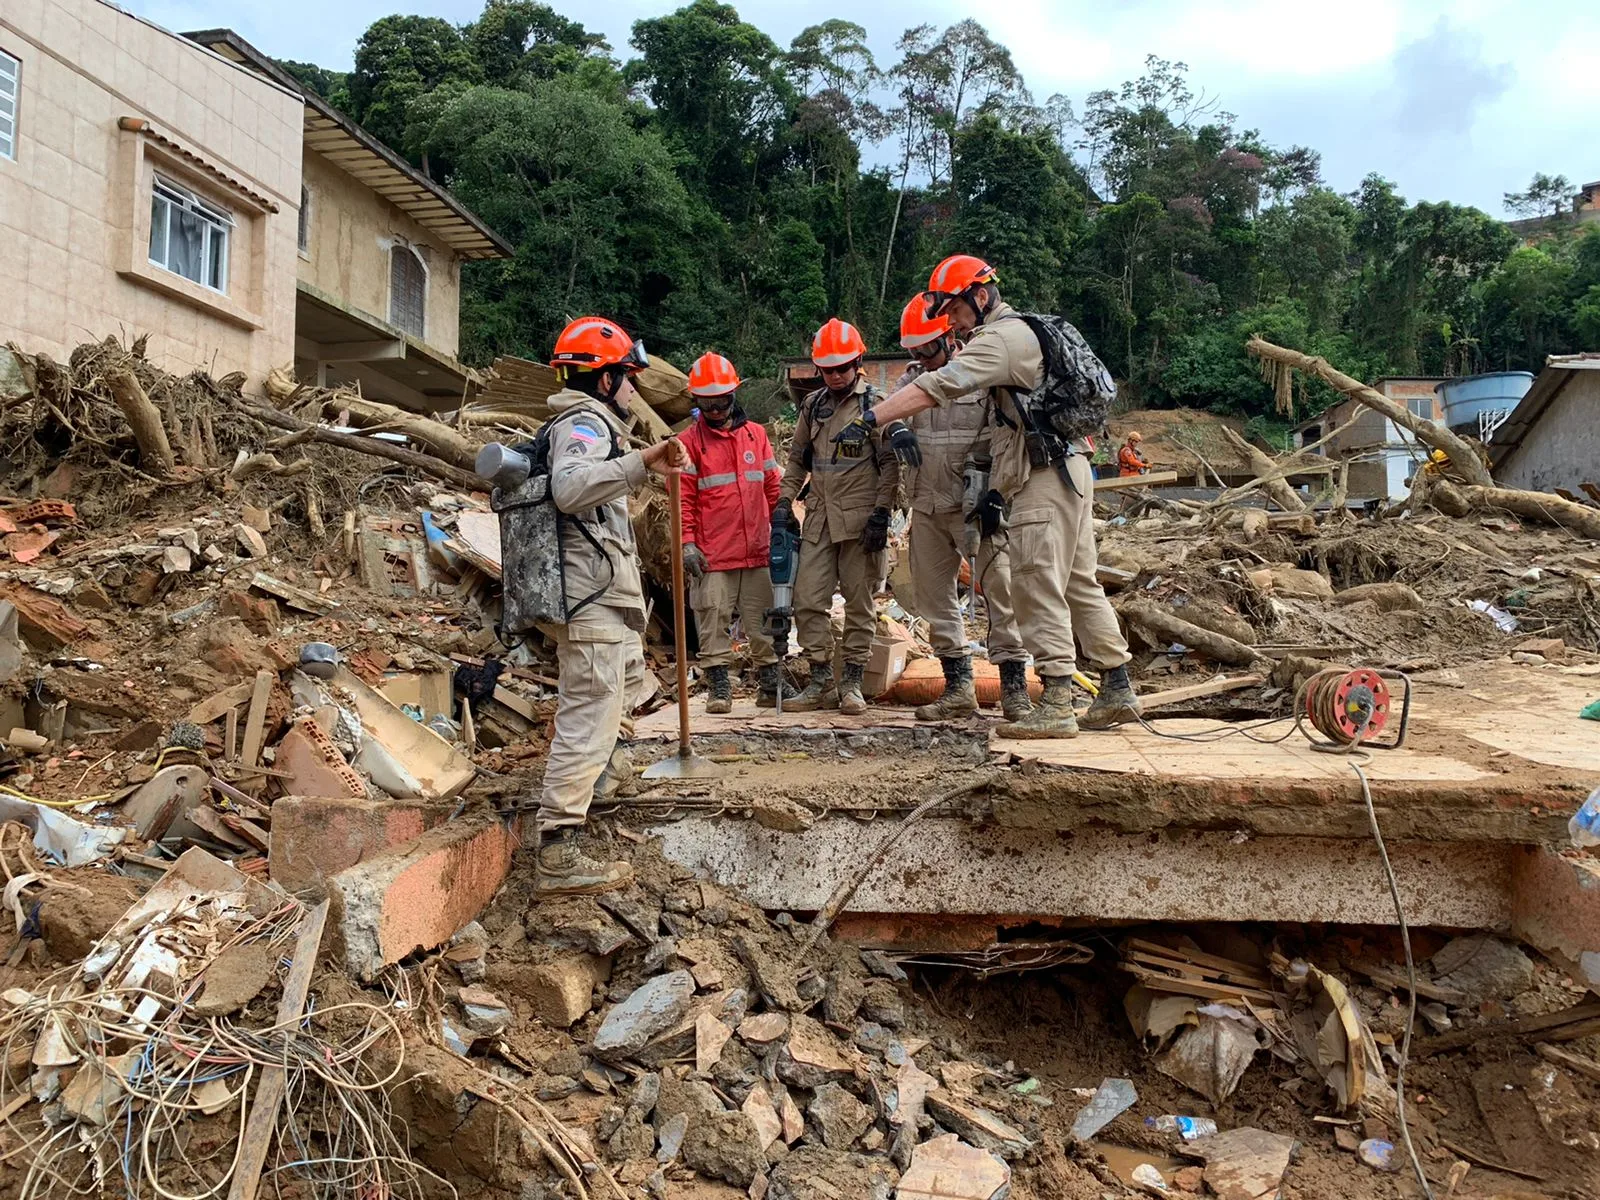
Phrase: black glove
(990, 513)
(904, 444)
(876, 535)
(694, 561)
(851, 441)
(783, 516)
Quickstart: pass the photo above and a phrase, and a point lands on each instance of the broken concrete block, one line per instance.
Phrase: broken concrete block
(840, 1117)
(669, 1138)
(1483, 967)
(561, 993)
(313, 765)
(811, 1057)
(911, 1086)
(725, 1146)
(251, 543)
(710, 1036)
(977, 1125)
(946, 1168)
(486, 1014)
(764, 1028)
(1245, 1163)
(817, 1173)
(175, 560)
(416, 896)
(650, 1010)
(314, 837)
(258, 519)
(759, 1108)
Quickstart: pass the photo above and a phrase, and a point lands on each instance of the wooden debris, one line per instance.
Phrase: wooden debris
(1168, 628)
(255, 724)
(295, 597)
(210, 709)
(144, 418)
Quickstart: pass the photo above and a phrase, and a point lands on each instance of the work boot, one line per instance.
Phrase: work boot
(1116, 702)
(564, 870)
(719, 691)
(959, 699)
(851, 701)
(819, 693)
(771, 678)
(1052, 717)
(1014, 700)
(619, 770)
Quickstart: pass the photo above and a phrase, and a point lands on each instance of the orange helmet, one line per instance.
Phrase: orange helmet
(590, 343)
(837, 343)
(917, 328)
(952, 278)
(1136, 436)
(712, 375)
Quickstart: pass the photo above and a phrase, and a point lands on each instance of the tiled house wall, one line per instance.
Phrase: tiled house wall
(105, 102)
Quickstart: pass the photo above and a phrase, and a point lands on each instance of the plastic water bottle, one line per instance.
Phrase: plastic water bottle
(1584, 828)
(1189, 1127)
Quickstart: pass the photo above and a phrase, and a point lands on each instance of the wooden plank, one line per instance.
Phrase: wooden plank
(210, 709)
(262, 1122)
(1556, 1026)
(248, 830)
(1396, 980)
(1242, 977)
(1158, 982)
(230, 735)
(1122, 482)
(1215, 961)
(295, 597)
(206, 818)
(255, 724)
(1194, 691)
(1578, 1063)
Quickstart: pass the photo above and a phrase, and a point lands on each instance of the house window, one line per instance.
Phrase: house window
(1421, 406)
(188, 236)
(305, 219)
(408, 291)
(10, 69)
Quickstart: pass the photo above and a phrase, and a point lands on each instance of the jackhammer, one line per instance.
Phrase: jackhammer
(783, 561)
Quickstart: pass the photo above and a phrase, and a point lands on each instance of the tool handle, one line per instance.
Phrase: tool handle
(680, 634)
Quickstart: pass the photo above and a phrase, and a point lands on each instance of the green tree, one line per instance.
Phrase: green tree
(325, 83)
(398, 60)
(1525, 303)
(516, 42)
(593, 206)
(1546, 196)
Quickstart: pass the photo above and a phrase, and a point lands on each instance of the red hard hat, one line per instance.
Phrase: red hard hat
(837, 343)
(954, 276)
(917, 328)
(712, 375)
(590, 343)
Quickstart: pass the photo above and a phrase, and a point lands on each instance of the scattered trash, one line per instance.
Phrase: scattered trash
(1147, 1177)
(1188, 1127)
(1378, 1154)
(1584, 825)
(1503, 620)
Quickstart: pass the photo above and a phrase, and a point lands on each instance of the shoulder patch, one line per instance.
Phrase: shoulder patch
(585, 432)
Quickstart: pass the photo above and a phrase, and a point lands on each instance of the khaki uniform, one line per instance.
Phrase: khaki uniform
(843, 495)
(1051, 520)
(714, 595)
(949, 436)
(599, 650)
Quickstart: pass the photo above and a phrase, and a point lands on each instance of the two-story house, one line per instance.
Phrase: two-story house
(186, 188)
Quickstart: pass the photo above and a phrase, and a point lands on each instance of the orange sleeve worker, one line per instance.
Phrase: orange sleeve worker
(1129, 460)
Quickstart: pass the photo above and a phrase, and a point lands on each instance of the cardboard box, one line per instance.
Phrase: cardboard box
(885, 665)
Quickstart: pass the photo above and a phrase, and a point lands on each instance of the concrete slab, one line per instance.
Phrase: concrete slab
(951, 866)
(747, 718)
(1134, 750)
(1531, 712)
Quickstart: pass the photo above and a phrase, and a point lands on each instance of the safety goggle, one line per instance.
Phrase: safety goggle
(634, 361)
(637, 359)
(928, 350)
(934, 303)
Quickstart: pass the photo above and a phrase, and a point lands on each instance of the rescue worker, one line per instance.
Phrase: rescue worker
(729, 489)
(951, 437)
(847, 519)
(1050, 507)
(599, 650)
(1129, 460)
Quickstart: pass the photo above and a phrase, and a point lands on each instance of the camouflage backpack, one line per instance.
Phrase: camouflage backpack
(1074, 395)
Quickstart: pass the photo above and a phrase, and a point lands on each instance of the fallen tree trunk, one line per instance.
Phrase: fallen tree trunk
(1463, 456)
(1547, 509)
(155, 452)
(443, 441)
(301, 432)
(1269, 475)
(1168, 628)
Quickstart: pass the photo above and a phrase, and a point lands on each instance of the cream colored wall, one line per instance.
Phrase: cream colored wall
(351, 232)
(75, 203)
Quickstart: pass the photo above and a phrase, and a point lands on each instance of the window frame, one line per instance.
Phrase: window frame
(303, 233)
(410, 250)
(8, 141)
(177, 196)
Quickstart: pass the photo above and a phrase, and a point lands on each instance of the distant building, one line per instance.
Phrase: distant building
(188, 189)
(1382, 455)
(1551, 440)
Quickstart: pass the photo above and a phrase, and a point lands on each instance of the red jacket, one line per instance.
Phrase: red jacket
(729, 489)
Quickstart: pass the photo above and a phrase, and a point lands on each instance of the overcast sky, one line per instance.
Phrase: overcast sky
(1459, 101)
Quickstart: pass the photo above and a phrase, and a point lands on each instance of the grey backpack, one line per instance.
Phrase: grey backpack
(1075, 393)
(532, 573)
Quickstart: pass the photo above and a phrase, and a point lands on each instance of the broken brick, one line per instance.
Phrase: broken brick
(314, 766)
(260, 614)
(315, 837)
